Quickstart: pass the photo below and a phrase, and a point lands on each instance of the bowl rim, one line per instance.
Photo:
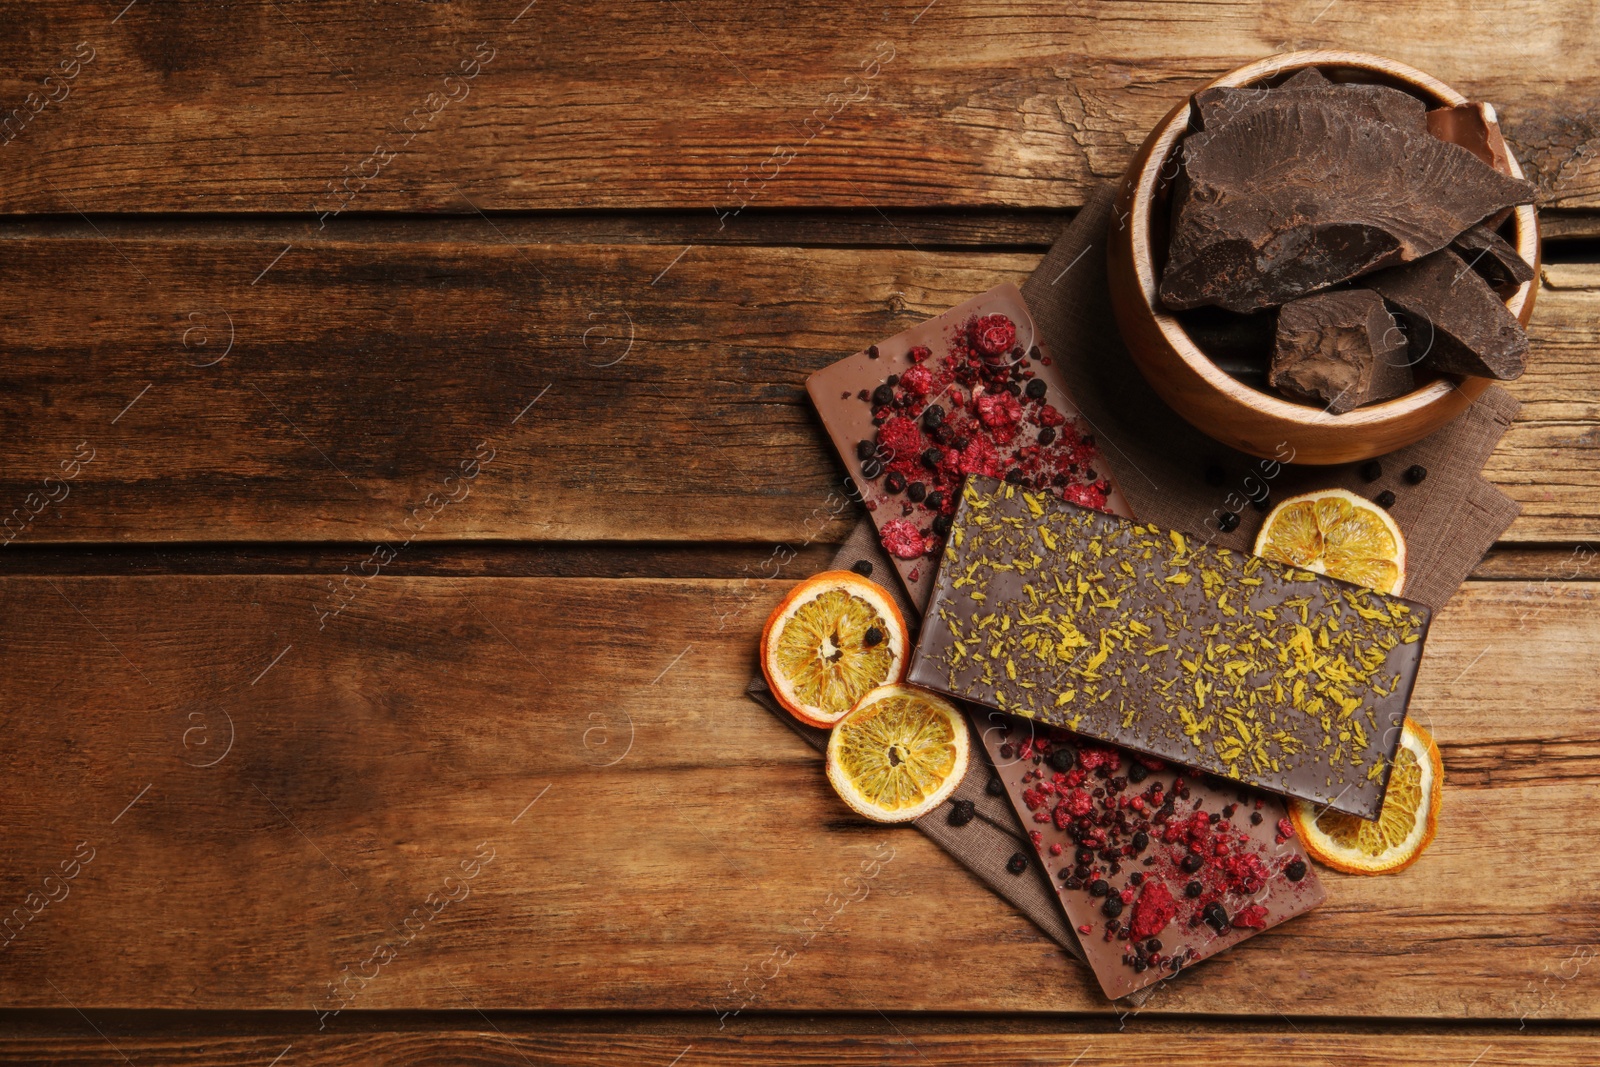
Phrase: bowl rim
(1141, 208)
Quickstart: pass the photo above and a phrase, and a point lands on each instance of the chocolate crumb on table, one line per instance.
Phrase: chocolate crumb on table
(1249, 669)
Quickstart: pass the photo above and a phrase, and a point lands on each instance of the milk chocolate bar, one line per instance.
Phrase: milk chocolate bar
(1157, 868)
(1248, 669)
(970, 392)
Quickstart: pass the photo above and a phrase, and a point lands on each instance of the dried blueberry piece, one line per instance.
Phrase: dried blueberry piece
(862, 567)
(995, 787)
(1191, 863)
(1091, 475)
(1261, 503)
(1136, 879)
(1047, 435)
(1072, 883)
(1153, 945)
(1192, 890)
(865, 450)
(932, 457)
(883, 396)
(873, 637)
(960, 443)
(941, 525)
(1215, 475)
(962, 812)
(1216, 916)
(1035, 388)
(1416, 474)
(872, 351)
(895, 483)
(1084, 855)
(1140, 964)
(1063, 758)
(944, 434)
(934, 501)
(1014, 476)
(1099, 887)
(1008, 751)
(1384, 499)
(1137, 772)
(1082, 870)
(1372, 470)
(893, 379)
(872, 468)
(1295, 871)
(916, 491)
(1017, 863)
(932, 418)
(852, 490)
(1141, 841)
(1227, 522)
(1112, 907)
(1255, 818)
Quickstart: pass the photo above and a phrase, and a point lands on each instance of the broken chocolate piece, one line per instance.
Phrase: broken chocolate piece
(1456, 322)
(1493, 257)
(1343, 349)
(1475, 127)
(1379, 103)
(1294, 194)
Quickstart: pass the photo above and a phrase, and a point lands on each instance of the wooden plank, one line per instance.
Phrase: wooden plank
(656, 835)
(904, 1044)
(209, 109)
(667, 380)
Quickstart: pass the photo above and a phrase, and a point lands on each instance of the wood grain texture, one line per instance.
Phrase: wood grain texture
(364, 370)
(265, 105)
(677, 834)
(904, 1044)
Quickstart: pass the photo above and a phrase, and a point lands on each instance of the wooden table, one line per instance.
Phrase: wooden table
(403, 440)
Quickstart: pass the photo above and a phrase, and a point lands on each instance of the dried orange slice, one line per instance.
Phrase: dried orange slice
(898, 754)
(833, 639)
(1404, 828)
(1337, 533)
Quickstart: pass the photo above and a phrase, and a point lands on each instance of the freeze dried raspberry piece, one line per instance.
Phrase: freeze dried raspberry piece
(993, 335)
(917, 381)
(1152, 912)
(980, 457)
(899, 442)
(902, 539)
(1251, 917)
(1002, 414)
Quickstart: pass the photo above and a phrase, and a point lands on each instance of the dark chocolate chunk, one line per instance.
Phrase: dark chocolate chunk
(1492, 257)
(1343, 349)
(1456, 322)
(1301, 190)
(1380, 103)
(1475, 127)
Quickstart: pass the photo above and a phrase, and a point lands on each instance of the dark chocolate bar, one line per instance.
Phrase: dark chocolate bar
(971, 391)
(1245, 668)
(1157, 868)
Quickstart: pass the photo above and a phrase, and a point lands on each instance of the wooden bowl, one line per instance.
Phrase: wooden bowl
(1215, 402)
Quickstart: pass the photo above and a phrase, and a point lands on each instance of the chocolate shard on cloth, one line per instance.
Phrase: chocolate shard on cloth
(1248, 669)
(1175, 476)
(1458, 325)
(1342, 349)
(1300, 189)
(1492, 257)
(1144, 908)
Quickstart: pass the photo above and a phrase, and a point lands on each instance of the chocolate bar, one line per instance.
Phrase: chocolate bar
(1157, 868)
(1454, 318)
(1230, 663)
(969, 392)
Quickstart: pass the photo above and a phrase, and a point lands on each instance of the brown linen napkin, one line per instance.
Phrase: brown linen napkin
(1160, 462)
(985, 844)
